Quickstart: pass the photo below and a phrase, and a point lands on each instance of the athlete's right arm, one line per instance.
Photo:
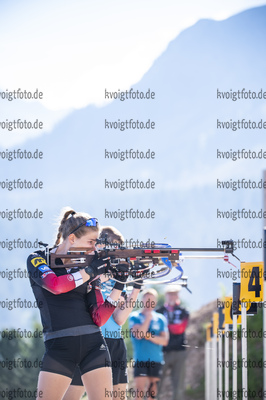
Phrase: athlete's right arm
(123, 310)
(45, 277)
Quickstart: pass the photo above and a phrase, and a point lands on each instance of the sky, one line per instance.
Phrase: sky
(72, 51)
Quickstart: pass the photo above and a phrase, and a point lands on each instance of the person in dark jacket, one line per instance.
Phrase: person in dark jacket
(174, 352)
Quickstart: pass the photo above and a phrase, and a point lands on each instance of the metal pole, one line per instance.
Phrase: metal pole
(226, 362)
(234, 396)
(244, 349)
(214, 366)
(207, 370)
(225, 249)
(220, 368)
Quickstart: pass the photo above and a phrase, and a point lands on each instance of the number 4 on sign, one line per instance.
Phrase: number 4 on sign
(251, 282)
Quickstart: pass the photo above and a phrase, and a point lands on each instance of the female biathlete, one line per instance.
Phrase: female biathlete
(67, 313)
(111, 330)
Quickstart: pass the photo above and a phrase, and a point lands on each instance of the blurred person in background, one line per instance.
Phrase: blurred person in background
(174, 352)
(149, 335)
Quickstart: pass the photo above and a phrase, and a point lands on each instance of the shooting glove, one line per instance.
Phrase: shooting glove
(97, 267)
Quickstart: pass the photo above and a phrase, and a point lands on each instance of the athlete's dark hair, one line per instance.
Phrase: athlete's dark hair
(71, 220)
(113, 234)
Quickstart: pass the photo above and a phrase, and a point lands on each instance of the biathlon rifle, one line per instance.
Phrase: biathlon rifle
(140, 260)
(141, 255)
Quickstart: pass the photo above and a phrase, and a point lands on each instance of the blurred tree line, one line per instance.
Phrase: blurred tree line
(20, 361)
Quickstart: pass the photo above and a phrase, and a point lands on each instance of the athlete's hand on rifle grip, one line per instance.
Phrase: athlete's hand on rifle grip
(120, 272)
(97, 267)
